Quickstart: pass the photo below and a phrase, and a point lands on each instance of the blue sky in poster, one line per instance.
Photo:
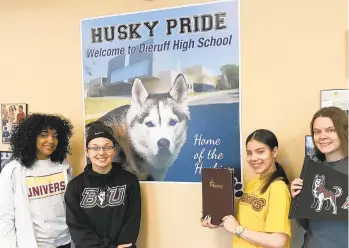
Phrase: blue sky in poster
(206, 55)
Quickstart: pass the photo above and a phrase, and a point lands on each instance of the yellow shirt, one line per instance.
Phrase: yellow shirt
(267, 212)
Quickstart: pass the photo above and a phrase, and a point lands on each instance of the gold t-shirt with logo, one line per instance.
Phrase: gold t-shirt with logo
(267, 212)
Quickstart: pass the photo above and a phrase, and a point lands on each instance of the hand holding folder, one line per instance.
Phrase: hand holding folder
(324, 194)
(217, 194)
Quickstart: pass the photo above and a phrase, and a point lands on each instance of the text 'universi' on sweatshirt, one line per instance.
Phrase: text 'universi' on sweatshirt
(104, 210)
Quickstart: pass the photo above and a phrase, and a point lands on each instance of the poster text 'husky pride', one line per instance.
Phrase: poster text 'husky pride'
(185, 25)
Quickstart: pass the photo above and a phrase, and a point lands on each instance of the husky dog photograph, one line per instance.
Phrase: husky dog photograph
(172, 98)
(152, 129)
(321, 195)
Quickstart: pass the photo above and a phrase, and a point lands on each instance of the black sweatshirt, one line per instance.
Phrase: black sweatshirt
(103, 211)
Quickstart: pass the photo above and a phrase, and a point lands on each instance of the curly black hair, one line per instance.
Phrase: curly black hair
(23, 137)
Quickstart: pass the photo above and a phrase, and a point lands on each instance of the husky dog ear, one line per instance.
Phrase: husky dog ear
(179, 89)
(139, 93)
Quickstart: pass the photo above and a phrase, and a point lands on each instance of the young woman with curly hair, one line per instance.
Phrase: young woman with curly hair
(33, 183)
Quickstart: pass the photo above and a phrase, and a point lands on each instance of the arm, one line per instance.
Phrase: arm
(277, 226)
(81, 233)
(130, 230)
(7, 214)
(260, 239)
(266, 240)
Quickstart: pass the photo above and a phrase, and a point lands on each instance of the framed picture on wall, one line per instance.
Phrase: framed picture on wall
(335, 97)
(4, 158)
(11, 115)
(310, 147)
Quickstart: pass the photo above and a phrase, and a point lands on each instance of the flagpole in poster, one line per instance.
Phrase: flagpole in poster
(167, 81)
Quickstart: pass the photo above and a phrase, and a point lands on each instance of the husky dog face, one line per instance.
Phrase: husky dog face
(157, 123)
(318, 180)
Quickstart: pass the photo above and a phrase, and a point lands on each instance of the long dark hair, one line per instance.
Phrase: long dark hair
(23, 138)
(268, 138)
(340, 122)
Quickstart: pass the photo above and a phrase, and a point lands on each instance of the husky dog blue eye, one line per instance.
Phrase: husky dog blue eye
(172, 122)
(149, 124)
(162, 116)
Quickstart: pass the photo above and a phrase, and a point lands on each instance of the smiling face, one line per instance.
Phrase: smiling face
(46, 143)
(260, 157)
(326, 138)
(101, 152)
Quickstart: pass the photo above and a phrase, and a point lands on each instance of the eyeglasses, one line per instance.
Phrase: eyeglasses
(96, 149)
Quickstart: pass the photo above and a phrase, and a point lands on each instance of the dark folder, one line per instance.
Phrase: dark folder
(217, 193)
(324, 193)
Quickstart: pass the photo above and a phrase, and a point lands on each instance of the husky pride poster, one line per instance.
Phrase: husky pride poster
(167, 82)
